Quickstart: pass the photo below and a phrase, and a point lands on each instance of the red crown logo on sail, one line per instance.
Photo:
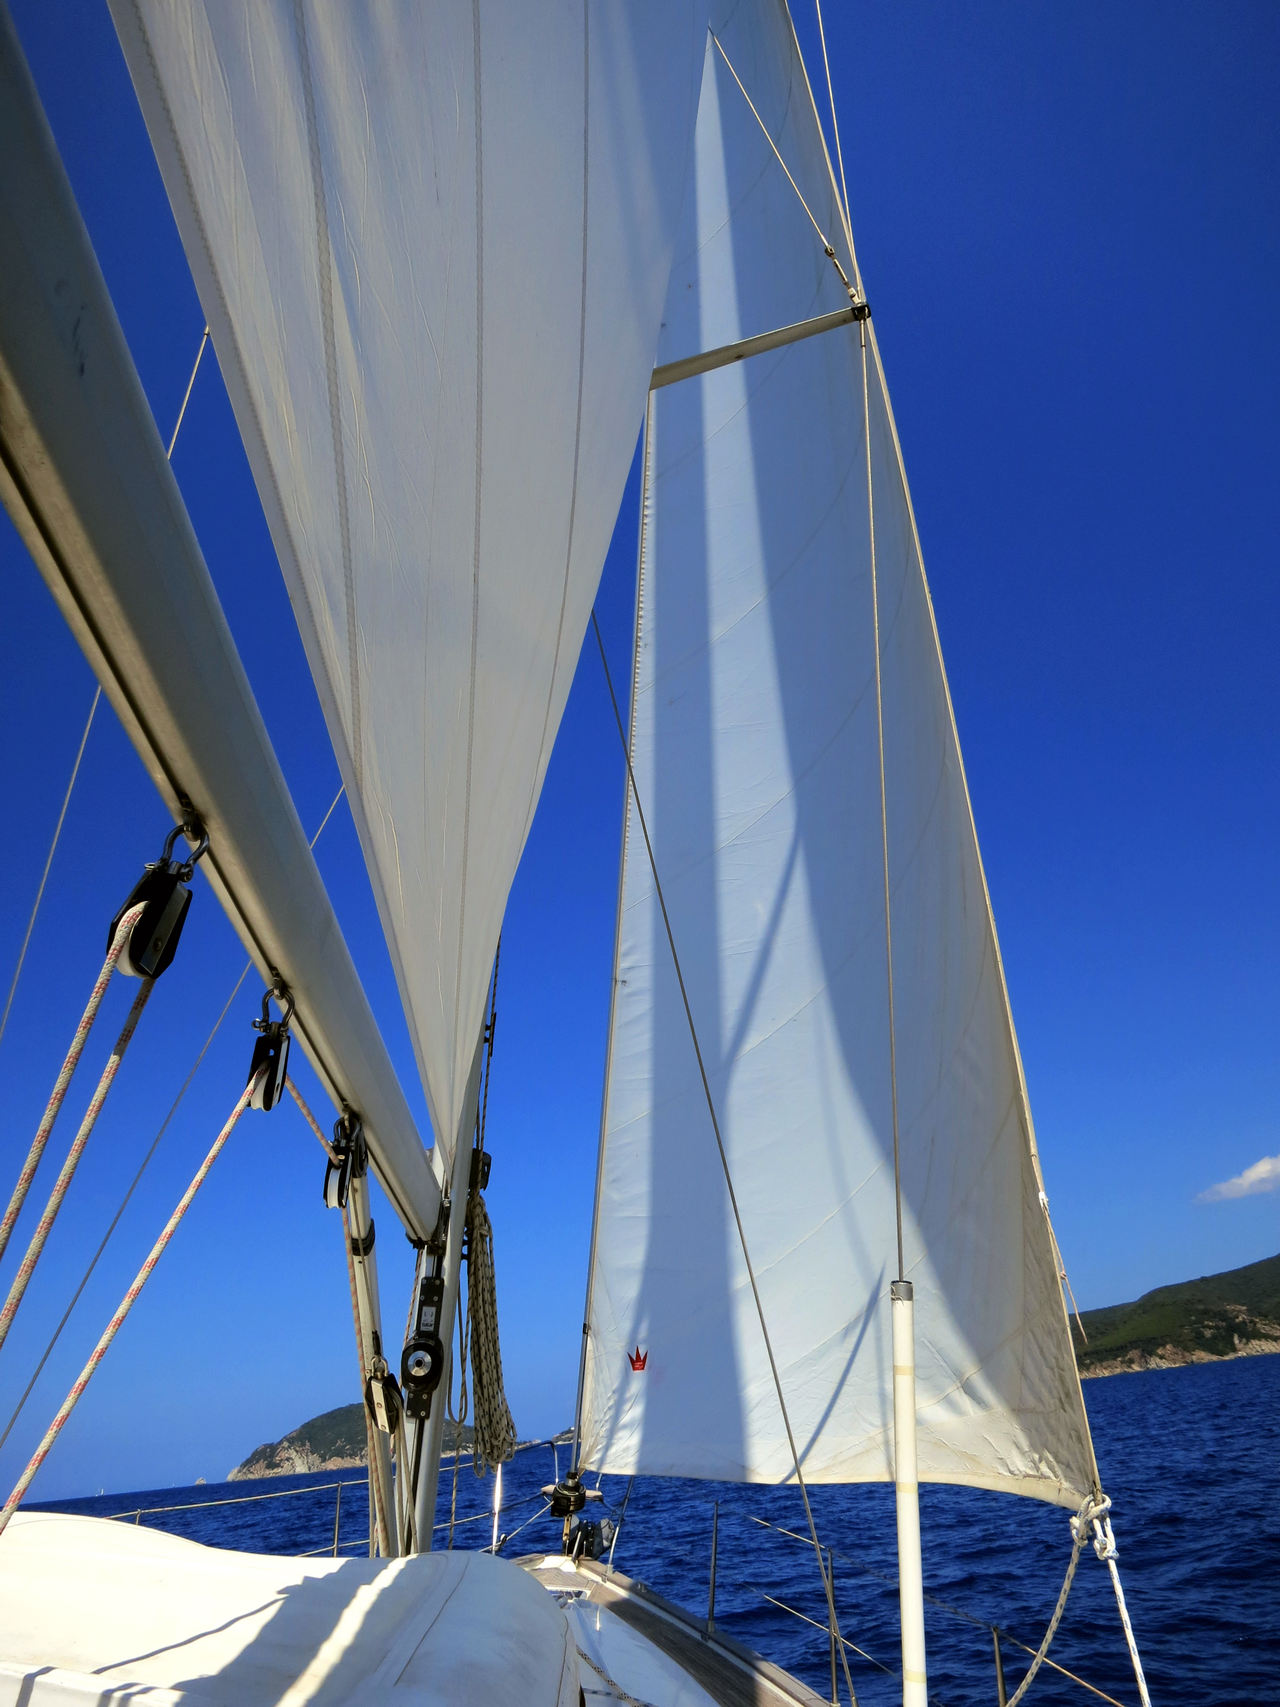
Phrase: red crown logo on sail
(637, 1358)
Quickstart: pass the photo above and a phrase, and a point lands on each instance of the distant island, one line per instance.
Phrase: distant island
(1236, 1314)
(333, 1441)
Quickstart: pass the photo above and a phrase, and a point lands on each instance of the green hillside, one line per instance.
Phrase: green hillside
(332, 1441)
(1218, 1315)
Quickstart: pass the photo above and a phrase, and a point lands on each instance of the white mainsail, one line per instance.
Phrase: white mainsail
(432, 244)
(756, 761)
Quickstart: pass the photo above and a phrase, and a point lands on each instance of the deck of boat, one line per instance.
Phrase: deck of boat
(726, 1673)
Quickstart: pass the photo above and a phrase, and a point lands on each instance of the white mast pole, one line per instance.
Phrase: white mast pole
(907, 1490)
(901, 1293)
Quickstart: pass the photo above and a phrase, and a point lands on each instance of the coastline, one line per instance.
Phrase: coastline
(1176, 1357)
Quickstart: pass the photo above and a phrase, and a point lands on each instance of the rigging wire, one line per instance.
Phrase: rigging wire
(145, 1163)
(884, 810)
(835, 123)
(827, 246)
(75, 768)
(724, 1159)
(53, 848)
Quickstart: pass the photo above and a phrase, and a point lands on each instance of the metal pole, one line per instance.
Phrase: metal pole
(831, 1631)
(1002, 1694)
(497, 1506)
(337, 1517)
(910, 1572)
(711, 1591)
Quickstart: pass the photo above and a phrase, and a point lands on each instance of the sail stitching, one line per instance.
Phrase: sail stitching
(455, 1138)
(324, 280)
(577, 423)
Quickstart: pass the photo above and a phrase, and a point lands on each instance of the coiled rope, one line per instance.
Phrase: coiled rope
(126, 1304)
(70, 1062)
(495, 1432)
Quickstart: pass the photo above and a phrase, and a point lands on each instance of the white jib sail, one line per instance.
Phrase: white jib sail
(755, 754)
(432, 243)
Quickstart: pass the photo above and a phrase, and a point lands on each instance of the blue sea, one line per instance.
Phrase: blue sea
(1190, 1457)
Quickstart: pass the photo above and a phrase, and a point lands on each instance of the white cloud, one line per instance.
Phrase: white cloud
(1262, 1176)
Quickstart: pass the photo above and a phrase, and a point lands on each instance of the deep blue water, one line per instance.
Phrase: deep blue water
(1190, 1457)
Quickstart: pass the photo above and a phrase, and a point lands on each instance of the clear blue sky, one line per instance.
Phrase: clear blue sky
(1068, 222)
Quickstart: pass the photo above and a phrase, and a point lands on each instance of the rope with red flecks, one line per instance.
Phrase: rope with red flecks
(63, 1080)
(130, 1298)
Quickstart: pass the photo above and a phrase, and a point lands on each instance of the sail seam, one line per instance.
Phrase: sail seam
(324, 280)
(455, 1137)
(577, 423)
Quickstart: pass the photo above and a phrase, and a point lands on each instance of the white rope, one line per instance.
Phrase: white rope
(70, 1062)
(835, 122)
(142, 1168)
(126, 1304)
(1088, 1514)
(827, 246)
(186, 398)
(1104, 1545)
(40, 1237)
(494, 1438)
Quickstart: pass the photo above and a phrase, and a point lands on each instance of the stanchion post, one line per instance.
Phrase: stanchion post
(711, 1590)
(1002, 1694)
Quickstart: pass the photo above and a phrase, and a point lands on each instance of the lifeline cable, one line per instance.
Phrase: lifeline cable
(126, 1304)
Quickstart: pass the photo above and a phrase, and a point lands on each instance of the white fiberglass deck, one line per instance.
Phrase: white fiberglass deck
(101, 1612)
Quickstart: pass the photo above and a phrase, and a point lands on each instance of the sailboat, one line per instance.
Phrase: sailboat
(451, 264)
